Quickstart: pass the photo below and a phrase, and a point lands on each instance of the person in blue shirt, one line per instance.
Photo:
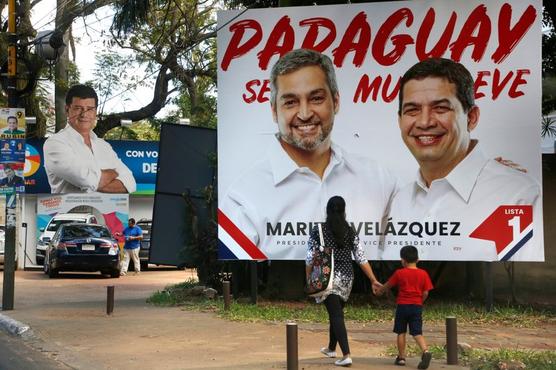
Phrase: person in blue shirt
(133, 236)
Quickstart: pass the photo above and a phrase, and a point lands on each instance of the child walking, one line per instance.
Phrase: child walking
(413, 288)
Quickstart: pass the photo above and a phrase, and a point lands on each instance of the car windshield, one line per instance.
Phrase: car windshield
(55, 224)
(85, 231)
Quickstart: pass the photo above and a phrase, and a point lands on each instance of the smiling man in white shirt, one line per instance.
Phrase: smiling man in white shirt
(457, 187)
(276, 202)
(78, 161)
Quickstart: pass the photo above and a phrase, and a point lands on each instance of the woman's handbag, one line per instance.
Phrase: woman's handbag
(322, 273)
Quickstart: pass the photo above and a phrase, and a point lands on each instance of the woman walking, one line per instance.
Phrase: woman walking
(345, 244)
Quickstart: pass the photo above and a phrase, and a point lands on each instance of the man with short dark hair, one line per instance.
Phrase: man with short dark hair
(76, 160)
(133, 236)
(275, 202)
(456, 181)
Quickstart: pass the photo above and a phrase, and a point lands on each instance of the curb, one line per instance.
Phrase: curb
(14, 327)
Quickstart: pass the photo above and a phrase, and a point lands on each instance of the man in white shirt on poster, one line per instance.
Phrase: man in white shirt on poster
(76, 160)
(277, 201)
(456, 184)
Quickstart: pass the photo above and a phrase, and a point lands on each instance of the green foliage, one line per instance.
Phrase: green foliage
(548, 67)
(143, 130)
(172, 295)
(359, 310)
(202, 240)
(179, 34)
(412, 350)
(130, 13)
(113, 75)
(485, 359)
(481, 359)
(548, 127)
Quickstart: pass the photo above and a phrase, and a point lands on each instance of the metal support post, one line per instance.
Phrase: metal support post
(291, 346)
(254, 281)
(226, 293)
(488, 287)
(109, 299)
(451, 340)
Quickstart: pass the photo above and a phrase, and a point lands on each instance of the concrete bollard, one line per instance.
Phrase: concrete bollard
(451, 340)
(291, 346)
(109, 299)
(226, 293)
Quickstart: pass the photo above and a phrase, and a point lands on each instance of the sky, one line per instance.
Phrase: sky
(88, 33)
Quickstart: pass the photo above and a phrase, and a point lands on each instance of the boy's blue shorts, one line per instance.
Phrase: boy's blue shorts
(409, 315)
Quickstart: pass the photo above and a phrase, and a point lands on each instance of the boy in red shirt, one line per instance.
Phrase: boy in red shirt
(413, 288)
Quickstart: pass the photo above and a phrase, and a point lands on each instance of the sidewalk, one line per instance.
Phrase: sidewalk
(69, 323)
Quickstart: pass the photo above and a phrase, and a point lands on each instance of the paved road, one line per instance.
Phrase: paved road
(17, 355)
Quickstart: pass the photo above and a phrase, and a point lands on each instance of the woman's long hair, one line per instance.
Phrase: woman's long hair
(336, 219)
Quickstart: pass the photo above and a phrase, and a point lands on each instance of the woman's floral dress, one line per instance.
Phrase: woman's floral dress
(343, 266)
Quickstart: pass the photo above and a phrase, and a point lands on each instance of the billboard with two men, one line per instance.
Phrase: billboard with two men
(424, 116)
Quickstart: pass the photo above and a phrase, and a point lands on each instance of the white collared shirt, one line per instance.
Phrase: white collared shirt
(470, 193)
(73, 167)
(276, 203)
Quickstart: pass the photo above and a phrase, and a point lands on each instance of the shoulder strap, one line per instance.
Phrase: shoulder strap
(321, 235)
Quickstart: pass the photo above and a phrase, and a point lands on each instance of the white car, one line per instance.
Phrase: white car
(53, 225)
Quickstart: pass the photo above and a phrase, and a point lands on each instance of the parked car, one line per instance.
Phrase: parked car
(145, 225)
(82, 247)
(53, 225)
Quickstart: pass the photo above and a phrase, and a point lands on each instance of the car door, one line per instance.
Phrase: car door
(51, 249)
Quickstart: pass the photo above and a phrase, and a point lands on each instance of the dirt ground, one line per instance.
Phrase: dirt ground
(69, 323)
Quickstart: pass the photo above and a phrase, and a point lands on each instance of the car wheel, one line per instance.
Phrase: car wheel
(115, 274)
(52, 273)
(144, 266)
(45, 266)
(40, 261)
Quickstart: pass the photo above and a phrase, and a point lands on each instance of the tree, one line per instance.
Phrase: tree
(177, 42)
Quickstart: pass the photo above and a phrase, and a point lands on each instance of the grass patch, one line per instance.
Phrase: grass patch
(480, 359)
(358, 309)
(484, 359)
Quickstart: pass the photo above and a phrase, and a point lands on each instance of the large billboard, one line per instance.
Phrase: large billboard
(271, 196)
(139, 157)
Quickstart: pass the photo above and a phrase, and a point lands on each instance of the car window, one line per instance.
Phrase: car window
(55, 224)
(85, 231)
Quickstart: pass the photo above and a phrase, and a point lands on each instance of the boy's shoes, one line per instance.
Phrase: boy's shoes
(344, 362)
(425, 360)
(400, 361)
(327, 352)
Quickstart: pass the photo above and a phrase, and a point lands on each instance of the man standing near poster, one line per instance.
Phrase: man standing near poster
(78, 161)
(133, 236)
(456, 185)
(275, 203)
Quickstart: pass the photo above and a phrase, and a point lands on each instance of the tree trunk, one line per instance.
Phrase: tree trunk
(61, 71)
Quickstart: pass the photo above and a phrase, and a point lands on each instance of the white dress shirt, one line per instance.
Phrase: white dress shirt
(470, 193)
(276, 203)
(73, 167)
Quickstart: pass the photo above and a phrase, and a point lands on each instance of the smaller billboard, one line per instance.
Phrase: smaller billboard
(141, 157)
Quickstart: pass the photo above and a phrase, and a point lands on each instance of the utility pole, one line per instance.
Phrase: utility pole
(9, 253)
